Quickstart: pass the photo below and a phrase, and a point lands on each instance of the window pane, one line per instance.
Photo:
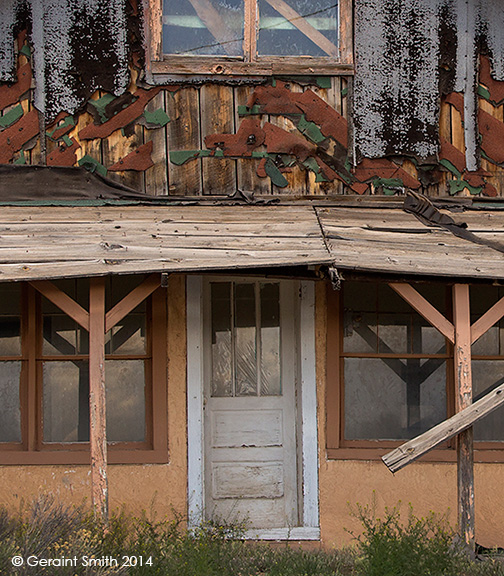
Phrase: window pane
(222, 379)
(10, 323)
(486, 375)
(298, 27)
(393, 399)
(128, 335)
(125, 386)
(270, 340)
(203, 27)
(66, 401)
(245, 340)
(10, 421)
(393, 332)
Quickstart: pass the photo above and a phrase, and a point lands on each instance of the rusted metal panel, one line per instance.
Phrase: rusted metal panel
(138, 160)
(11, 94)
(13, 138)
(123, 118)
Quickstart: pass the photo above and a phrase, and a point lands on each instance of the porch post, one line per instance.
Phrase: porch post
(97, 414)
(463, 399)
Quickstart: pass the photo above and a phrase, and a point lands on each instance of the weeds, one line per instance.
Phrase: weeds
(387, 546)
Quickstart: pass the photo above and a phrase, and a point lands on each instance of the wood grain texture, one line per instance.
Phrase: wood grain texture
(184, 134)
(156, 177)
(217, 116)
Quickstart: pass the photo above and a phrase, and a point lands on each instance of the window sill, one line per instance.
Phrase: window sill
(48, 457)
(172, 67)
(447, 455)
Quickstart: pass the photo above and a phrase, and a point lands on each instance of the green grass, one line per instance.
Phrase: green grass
(387, 546)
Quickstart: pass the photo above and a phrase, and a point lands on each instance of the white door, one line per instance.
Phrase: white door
(250, 403)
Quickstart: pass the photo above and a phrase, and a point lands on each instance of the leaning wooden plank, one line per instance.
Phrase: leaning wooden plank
(413, 449)
(304, 26)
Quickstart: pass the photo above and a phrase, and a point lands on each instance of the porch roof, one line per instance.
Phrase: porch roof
(45, 242)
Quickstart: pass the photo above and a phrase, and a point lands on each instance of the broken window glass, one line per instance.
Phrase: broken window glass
(203, 27)
(393, 399)
(10, 320)
(298, 28)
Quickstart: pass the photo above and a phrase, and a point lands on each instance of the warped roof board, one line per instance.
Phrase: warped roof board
(55, 242)
(393, 241)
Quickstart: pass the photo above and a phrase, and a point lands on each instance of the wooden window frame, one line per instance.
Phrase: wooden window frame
(161, 67)
(33, 451)
(337, 448)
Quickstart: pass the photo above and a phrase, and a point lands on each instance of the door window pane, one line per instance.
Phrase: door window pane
(10, 422)
(270, 340)
(203, 27)
(245, 340)
(222, 377)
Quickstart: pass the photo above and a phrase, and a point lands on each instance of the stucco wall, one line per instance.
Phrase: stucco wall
(154, 487)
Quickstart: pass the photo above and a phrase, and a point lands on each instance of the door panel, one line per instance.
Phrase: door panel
(250, 415)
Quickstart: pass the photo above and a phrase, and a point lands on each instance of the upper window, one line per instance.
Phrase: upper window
(250, 36)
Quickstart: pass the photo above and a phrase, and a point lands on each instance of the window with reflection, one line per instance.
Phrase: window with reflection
(394, 364)
(257, 31)
(245, 325)
(44, 368)
(395, 370)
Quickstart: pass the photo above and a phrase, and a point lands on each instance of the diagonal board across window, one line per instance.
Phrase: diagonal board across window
(253, 37)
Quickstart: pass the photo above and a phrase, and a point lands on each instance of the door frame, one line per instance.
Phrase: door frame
(307, 423)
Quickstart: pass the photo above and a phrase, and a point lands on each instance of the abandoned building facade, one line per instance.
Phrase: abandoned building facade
(249, 248)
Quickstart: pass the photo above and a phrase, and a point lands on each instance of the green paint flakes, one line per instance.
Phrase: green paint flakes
(100, 105)
(259, 154)
(274, 173)
(67, 140)
(68, 121)
(310, 130)
(288, 160)
(456, 186)
(25, 51)
(483, 92)
(179, 157)
(21, 159)
(158, 118)
(389, 186)
(324, 81)
(311, 164)
(92, 165)
(450, 167)
(218, 154)
(11, 116)
(246, 111)
(344, 92)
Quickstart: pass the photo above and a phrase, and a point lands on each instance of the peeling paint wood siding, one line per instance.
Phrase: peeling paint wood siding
(217, 115)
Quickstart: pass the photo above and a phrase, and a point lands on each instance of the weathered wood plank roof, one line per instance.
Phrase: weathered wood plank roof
(392, 241)
(58, 241)
(50, 242)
